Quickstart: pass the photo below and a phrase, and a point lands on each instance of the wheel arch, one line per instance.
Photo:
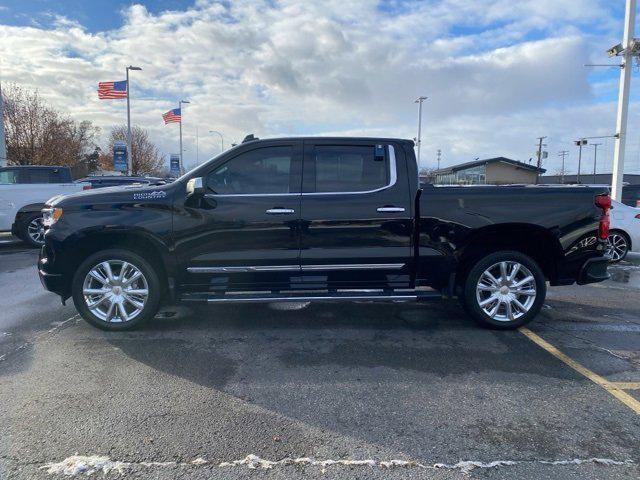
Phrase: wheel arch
(27, 210)
(84, 243)
(532, 240)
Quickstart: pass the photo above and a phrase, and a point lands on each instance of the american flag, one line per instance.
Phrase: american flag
(172, 116)
(110, 90)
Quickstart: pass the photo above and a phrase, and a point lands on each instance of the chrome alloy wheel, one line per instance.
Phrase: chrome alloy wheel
(115, 291)
(35, 230)
(506, 291)
(617, 247)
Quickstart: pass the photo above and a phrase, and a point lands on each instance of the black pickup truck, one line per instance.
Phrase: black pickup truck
(303, 219)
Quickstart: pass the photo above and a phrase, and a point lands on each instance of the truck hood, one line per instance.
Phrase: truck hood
(123, 193)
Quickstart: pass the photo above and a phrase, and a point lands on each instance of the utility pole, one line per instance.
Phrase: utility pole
(580, 143)
(562, 153)
(197, 153)
(3, 144)
(627, 49)
(540, 139)
(129, 160)
(595, 156)
(419, 101)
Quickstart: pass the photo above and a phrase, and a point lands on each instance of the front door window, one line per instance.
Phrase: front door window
(258, 172)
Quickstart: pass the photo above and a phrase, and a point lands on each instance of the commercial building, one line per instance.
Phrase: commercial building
(589, 179)
(491, 171)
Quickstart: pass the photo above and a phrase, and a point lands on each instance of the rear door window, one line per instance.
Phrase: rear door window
(348, 169)
(41, 175)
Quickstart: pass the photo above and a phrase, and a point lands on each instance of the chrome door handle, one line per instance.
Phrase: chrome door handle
(390, 209)
(280, 211)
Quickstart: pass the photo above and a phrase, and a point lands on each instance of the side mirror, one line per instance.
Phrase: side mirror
(195, 186)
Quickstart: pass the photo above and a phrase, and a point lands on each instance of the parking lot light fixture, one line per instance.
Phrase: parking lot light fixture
(419, 101)
(221, 139)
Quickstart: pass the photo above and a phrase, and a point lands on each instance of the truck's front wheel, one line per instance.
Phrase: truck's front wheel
(504, 290)
(116, 290)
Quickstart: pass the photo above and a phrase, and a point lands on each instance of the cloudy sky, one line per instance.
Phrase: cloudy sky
(498, 73)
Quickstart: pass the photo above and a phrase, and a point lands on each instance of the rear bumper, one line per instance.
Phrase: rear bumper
(594, 270)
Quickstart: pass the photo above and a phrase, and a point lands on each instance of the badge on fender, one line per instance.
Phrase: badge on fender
(156, 194)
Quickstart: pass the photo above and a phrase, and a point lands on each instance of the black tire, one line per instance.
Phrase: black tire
(472, 302)
(620, 256)
(118, 255)
(23, 230)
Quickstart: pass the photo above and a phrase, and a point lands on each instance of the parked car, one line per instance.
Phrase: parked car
(631, 195)
(624, 233)
(303, 219)
(24, 191)
(99, 181)
(34, 174)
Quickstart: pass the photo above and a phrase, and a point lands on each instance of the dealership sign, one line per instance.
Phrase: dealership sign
(120, 156)
(174, 164)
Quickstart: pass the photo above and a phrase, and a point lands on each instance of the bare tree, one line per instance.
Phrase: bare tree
(145, 156)
(36, 134)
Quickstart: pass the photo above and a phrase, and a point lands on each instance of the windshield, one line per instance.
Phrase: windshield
(190, 173)
(8, 177)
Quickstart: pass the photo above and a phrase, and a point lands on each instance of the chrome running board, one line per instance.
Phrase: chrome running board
(258, 297)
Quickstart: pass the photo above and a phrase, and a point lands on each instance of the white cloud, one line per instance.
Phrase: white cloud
(498, 73)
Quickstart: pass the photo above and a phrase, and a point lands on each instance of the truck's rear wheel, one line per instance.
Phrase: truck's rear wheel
(504, 290)
(116, 290)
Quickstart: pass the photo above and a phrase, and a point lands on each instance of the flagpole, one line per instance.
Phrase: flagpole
(129, 160)
(128, 127)
(3, 144)
(181, 162)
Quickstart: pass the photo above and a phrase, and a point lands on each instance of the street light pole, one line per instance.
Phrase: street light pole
(419, 101)
(221, 139)
(623, 99)
(129, 156)
(580, 143)
(595, 156)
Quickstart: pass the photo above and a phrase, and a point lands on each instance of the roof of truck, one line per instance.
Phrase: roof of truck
(53, 167)
(319, 137)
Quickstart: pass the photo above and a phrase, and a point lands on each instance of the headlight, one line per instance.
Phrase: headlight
(50, 216)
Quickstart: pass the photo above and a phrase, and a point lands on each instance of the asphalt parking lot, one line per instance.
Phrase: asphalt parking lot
(354, 390)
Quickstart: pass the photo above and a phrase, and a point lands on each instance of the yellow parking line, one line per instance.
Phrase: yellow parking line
(627, 385)
(610, 387)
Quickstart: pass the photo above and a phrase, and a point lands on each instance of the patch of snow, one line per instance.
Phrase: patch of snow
(88, 465)
(79, 464)
(579, 461)
(468, 465)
